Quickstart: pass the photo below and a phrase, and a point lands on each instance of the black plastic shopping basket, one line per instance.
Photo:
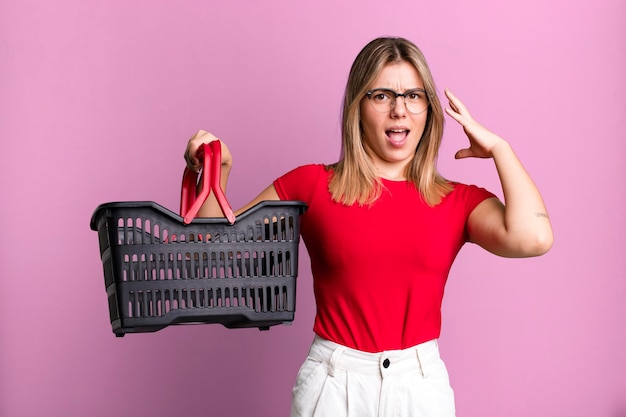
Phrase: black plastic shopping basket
(162, 269)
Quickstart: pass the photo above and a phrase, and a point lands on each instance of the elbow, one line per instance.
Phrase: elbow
(538, 245)
(543, 246)
(525, 245)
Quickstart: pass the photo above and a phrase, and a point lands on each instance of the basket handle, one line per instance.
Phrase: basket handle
(190, 203)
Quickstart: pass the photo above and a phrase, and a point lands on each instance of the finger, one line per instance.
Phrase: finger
(190, 152)
(456, 116)
(463, 153)
(456, 103)
(192, 164)
(194, 143)
(451, 101)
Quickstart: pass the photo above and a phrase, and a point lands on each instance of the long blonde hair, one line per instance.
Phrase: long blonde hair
(354, 177)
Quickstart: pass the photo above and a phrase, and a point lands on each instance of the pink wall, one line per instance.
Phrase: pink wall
(97, 100)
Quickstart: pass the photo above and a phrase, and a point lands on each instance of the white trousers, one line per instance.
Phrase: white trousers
(336, 381)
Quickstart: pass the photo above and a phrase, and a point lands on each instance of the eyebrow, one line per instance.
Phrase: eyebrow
(391, 89)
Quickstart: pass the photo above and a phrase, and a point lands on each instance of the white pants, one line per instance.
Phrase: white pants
(336, 381)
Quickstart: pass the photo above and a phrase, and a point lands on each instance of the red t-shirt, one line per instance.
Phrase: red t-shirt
(379, 271)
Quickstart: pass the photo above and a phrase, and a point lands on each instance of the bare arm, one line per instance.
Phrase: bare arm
(211, 208)
(519, 228)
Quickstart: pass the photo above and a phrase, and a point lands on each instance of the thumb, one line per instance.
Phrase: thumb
(463, 153)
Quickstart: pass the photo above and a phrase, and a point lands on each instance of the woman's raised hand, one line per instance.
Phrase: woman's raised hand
(482, 141)
(194, 144)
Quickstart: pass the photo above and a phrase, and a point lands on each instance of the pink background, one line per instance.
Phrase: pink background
(98, 98)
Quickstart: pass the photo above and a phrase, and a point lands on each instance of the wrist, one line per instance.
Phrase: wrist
(501, 147)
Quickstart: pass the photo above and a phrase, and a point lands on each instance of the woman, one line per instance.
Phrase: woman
(382, 230)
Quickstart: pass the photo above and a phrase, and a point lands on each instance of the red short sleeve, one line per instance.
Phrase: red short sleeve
(299, 183)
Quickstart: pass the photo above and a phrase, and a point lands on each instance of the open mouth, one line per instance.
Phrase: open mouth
(397, 135)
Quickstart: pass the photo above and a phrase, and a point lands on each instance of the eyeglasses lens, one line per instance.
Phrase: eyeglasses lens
(384, 100)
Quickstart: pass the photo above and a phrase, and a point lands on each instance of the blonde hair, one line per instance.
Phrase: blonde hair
(354, 177)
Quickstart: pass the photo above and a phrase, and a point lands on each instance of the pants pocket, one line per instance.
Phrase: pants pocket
(317, 394)
(309, 380)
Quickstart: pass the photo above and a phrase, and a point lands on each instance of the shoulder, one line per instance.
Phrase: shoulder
(309, 169)
(463, 190)
(309, 172)
(300, 182)
(468, 195)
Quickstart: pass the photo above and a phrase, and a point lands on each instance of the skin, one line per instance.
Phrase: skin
(518, 228)
(392, 152)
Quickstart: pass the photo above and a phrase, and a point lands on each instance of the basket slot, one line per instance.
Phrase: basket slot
(277, 228)
(200, 265)
(140, 231)
(158, 303)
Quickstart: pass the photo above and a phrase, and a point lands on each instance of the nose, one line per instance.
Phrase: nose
(398, 108)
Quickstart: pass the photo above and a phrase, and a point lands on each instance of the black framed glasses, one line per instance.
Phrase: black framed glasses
(384, 99)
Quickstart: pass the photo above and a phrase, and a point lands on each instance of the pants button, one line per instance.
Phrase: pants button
(386, 363)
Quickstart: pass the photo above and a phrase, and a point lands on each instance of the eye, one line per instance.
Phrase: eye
(415, 96)
(381, 96)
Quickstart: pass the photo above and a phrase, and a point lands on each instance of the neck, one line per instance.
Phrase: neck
(393, 172)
